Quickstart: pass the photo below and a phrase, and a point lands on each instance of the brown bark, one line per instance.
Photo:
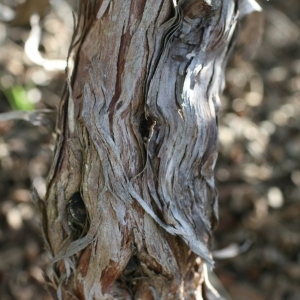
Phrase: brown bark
(138, 141)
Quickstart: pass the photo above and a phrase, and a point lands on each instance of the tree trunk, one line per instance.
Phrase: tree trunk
(131, 201)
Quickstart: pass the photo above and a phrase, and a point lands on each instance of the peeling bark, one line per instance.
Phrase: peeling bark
(138, 141)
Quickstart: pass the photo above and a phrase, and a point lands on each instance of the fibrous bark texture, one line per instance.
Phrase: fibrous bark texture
(131, 200)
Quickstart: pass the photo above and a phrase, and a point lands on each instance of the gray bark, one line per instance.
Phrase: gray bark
(137, 139)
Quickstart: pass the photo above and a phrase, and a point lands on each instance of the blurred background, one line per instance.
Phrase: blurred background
(258, 171)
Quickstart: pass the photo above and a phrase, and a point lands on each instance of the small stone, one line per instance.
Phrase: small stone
(275, 197)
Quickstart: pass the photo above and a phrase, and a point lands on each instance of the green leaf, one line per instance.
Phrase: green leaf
(18, 99)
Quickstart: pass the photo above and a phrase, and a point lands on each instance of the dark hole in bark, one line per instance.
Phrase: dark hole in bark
(77, 214)
(132, 266)
(145, 126)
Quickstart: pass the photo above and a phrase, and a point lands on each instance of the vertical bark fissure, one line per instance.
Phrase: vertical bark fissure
(120, 69)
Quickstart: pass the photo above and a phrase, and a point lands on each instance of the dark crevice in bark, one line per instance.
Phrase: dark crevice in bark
(125, 40)
(145, 127)
(77, 214)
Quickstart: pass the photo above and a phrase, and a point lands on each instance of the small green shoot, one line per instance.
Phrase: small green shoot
(18, 99)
